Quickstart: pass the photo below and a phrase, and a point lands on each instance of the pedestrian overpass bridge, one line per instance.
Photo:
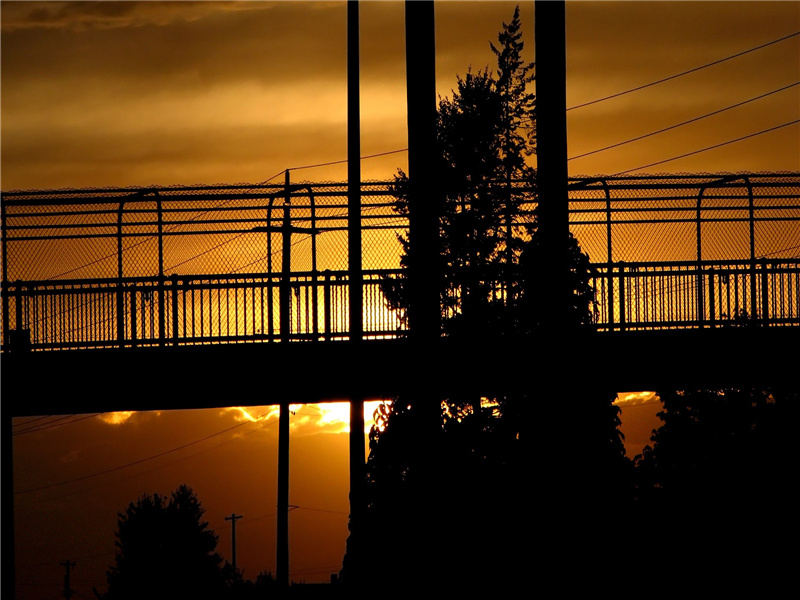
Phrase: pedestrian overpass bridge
(192, 296)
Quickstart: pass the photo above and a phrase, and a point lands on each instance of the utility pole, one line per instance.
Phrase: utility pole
(357, 471)
(233, 518)
(67, 590)
(283, 498)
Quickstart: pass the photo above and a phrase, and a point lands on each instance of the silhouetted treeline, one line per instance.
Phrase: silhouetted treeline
(532, 491)
(473, 495)
(715, 491)
(166, 551)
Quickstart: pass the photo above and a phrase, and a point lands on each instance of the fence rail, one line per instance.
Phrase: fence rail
(191, 310)
(637, 296)
(250, 263)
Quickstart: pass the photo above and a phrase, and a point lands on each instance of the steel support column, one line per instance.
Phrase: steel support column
(422, 198)
(282, 568)
(355, 276)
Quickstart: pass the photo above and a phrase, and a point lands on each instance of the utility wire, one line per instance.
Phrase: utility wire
(54, 423)
(130, 464)
(711, 64)
(709, 148)
(716, 112)
(162, 466)
(31, 420)
(334, 162)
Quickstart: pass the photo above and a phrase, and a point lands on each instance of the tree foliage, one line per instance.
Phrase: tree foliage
(489, 264)
(165, 550)
(716, 489)
(480, 150)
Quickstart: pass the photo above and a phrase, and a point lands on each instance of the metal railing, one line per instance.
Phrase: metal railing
(637, 296)
(190, 310)
(224, 264)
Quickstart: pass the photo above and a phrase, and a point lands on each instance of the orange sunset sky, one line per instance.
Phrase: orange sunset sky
(158, 93)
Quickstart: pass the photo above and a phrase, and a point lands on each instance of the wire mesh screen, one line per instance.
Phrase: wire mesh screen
(245, 263)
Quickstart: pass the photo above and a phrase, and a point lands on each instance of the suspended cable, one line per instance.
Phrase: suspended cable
(660, 162)
(54, 423)
(135, 462)
(338, 162)
(716, 112)
(711, 64)
(162, 466)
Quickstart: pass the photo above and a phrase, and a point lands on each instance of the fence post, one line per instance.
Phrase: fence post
(327, 305)
(133, 315)
(120, 314)
(621, 295)
(754, 308)
(19, 337)
(174, 278)
(18, 306)
(700, 297)
(120, 289)
(764, 293)
(700, 289)
(4, 251)
(285, 294)
(712, 305)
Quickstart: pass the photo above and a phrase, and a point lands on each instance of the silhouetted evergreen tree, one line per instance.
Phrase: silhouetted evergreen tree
(165, 550)
(489, 261)
(716, 487)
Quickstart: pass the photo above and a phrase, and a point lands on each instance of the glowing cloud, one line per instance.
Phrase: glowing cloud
(635, 399)
(117, 418)
(307, 419)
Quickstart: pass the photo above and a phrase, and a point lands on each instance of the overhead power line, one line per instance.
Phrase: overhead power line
(744, 137)
(133, 463)
(711, 114)
(671, 77)
(333, 162)
(57, 422)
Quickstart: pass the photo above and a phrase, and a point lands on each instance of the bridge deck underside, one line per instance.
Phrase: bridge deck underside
(259, 374)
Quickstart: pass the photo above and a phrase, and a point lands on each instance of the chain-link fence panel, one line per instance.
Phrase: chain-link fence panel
(116, 267)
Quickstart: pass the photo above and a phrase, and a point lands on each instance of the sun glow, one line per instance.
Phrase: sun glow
(329, 417)
(635, 399)
(117, 418)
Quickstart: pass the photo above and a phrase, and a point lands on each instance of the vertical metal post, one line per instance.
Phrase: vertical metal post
(7, 546)
(314, 274)
(120, 290)
(712, 303)
(175, 320)
(423, 224)
(622, 316)
(161, 300)
(283, 497)
(609, 258)
(354, 174)
(424, 312)
(18, 318)
(355, 274)
(752, 215)
(134, 332)
(764, 293)
(285, 296)
(559, 490)
(699, 277)
(4, 234)
(551, 133)
(270, 295)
